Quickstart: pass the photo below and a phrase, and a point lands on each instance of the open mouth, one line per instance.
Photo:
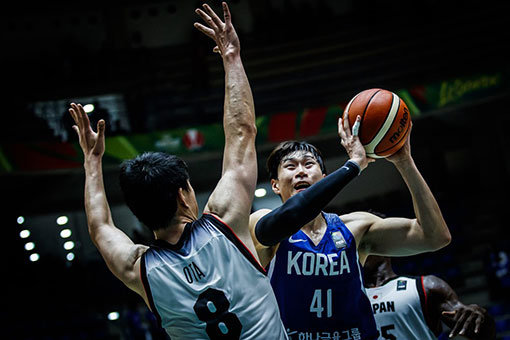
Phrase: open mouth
(301, 186)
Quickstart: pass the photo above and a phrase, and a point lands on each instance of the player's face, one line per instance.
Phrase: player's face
(297, 171)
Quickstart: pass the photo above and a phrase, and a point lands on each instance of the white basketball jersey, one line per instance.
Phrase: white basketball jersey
(398, 312)
(209, 286)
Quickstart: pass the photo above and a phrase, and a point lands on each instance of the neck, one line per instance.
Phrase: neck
(315, 229)
(315, 226)
(379, 275)
(173, 232)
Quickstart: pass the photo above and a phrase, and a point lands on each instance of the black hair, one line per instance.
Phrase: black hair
(150, 183)
(285, 148)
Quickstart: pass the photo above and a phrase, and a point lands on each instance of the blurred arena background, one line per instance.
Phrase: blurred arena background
(143, 67)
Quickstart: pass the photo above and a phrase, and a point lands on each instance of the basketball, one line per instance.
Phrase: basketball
(385, 121)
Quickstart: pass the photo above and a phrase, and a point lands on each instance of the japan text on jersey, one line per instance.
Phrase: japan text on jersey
(398, 309)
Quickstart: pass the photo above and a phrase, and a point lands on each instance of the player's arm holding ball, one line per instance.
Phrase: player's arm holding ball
(403, 236)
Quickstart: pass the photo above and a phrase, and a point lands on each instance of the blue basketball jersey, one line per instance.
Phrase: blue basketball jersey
(320, 289)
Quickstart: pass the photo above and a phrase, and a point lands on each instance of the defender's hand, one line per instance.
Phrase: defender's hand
(91, 143)
(467, 319)
(223, 33)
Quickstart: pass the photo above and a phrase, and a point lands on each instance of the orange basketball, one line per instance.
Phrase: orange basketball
(385, 121)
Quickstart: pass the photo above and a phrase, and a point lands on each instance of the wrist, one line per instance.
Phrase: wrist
(232, 56)
(403, 164)
(360, 162)
(92, 162)
(354, 165)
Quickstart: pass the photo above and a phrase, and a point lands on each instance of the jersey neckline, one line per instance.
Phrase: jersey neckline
(184, 236)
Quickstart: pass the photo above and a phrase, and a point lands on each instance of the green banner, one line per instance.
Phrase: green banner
(299, 124)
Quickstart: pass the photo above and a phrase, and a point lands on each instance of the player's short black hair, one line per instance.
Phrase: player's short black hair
(150, 183)
(285, 148)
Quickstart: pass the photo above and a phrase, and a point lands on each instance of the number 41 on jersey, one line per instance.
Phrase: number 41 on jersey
(317, 303)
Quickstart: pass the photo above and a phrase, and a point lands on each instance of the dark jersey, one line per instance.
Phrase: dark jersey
(320, 289)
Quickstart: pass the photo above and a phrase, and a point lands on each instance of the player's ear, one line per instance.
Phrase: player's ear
(181, 198)
(275, 185)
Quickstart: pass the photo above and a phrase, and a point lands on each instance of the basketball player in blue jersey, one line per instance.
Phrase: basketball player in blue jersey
(414, 308)
(202, 278)
(314, 258)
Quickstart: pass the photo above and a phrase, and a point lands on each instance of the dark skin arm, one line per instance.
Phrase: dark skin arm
(470, 321)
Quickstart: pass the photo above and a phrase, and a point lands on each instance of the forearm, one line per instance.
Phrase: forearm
(239, 110)
(303, 207)
(426, 209)
(96, 204)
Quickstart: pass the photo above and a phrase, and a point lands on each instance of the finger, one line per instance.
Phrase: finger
(226, 13)
(216, 49)
(77, 130)
(84, 116)
(478, 323)
(78, 120)
(341, 131)
(76, 111)
(100, 129)
(206, 30)
(449, 313)
(355, 127)
(99, 143)
(346, 126)
(458, 325)
(101, 126)
(466, 324)
(207, 19)
(214, 17)
(73, 114)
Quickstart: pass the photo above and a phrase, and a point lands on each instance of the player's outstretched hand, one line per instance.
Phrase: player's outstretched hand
(351, 143)
(91, 143)
(468, 320)
(223, 33)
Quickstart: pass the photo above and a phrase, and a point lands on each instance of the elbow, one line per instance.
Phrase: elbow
(250, 127)
(247, 129)
(447, 237)
(441, 239)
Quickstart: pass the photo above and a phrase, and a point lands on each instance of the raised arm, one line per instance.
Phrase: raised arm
(470, 321)
(119, 252)
(232, 198)
(402, 236)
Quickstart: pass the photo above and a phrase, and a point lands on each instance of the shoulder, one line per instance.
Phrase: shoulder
(359, 217)
(265, 253)
(359, 222)
(432, 282)
(436, 287)
(257, 215)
